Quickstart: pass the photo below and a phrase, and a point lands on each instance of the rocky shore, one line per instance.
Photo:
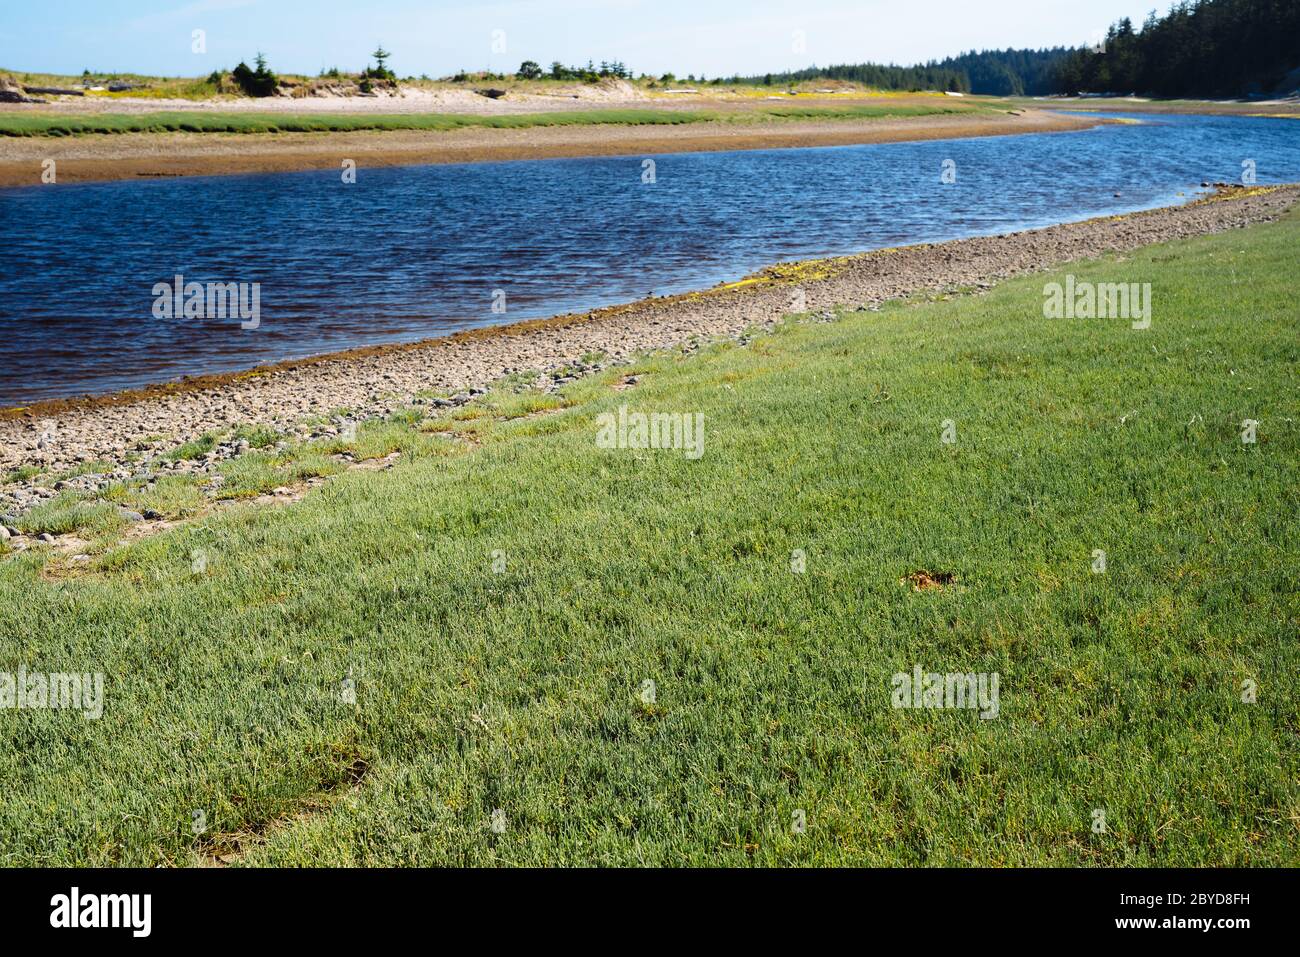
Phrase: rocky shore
(85, 445)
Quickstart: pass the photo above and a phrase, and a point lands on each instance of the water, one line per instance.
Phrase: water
(408, 253)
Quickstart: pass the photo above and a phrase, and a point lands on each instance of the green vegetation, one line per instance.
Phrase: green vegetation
(259, 473)
(1199, 48)
(1205, 48)
(37, 124)
(379, 75)
(259, 82)
(990, 72)
(591, 73)
(66, 513)
(21, 474)
(195, 449)
(380, 70)
(172, 496)
(257, 436)
(229, 680)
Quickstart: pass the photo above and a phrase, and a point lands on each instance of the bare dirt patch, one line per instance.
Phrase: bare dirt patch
(922, 580)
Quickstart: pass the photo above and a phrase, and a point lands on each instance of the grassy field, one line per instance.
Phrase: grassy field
(47, 124)
(367, 675)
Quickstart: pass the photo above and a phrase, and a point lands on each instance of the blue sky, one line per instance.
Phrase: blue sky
(437, 37)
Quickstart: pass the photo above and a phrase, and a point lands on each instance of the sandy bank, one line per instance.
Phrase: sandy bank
(1138, 104)
(145, 155)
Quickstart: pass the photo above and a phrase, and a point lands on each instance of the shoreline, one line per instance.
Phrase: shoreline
(107, 157)
(133, 432)
(1281, 109)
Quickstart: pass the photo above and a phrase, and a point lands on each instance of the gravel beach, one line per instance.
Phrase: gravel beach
(131, 432)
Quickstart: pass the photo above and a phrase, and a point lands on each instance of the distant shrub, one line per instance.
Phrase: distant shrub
(259, 82)
(380, 71)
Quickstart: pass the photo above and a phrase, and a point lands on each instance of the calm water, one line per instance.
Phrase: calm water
(414, 252)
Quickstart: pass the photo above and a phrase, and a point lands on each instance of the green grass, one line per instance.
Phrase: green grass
(195, 449)
(521, 690)
(50, 124)
(93, 467)
(172, 496)
(21, 474)
(258, 473)
(258, 437)
(66, 513)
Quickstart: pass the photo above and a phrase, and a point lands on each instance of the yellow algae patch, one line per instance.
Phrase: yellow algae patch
(809, 270)
(1237, 192)
(753, 281)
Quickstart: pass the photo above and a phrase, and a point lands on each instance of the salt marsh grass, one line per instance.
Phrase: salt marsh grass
(447, 662)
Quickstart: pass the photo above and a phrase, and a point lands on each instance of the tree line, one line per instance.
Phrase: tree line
(992, 72)
(1200, 48)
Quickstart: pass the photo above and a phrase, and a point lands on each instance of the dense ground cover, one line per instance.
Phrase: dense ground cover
(370, 674)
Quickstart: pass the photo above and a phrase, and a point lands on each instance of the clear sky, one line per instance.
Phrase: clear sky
(438, 37)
